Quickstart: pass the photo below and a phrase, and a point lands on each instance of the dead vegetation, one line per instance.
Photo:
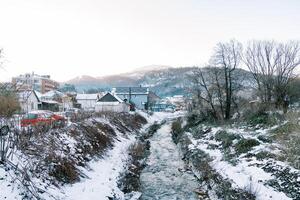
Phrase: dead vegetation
(54, 155)
(210, 179)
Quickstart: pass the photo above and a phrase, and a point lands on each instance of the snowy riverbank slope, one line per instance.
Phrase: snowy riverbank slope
(250, 159)
(94, 150)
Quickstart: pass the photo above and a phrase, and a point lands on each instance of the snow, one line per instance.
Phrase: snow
(245, 174)
(102, 175)
(7, 188)
(102, 181)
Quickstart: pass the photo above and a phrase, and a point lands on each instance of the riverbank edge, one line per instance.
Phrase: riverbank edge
(212, 184)
(129, 182)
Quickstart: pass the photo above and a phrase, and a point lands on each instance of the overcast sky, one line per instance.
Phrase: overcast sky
(68, 38)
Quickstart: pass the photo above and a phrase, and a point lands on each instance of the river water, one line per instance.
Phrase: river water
(162, 179)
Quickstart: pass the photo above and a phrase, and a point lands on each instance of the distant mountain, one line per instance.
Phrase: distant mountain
(163, 80)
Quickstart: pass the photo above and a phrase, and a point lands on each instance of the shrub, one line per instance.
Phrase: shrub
(262, 117)
(226, 138)
(292, 151)
(99, 138)
(264, 155)
(195, 118)
(9, 104)
(288, 136)
(245, 145)
(176, 130)
(283, 131)
(64, 170)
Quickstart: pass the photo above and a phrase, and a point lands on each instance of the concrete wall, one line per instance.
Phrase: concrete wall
(87, 103)
(111, 107)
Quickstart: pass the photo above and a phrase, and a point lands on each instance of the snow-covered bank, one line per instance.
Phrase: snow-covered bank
(95, 168)
(234, 154)
(103, 175)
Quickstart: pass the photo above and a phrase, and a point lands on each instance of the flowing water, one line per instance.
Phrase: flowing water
(162, 179)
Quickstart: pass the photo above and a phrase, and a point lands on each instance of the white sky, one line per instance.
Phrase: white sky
(68, 38)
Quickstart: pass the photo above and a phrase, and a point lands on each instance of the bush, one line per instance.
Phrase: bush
(291, 153)
(195, 118)
(245, 145)
(176, 130)
(226, 138)
(264, 155)
(282, 132)
(9, 104)
(64, 170)
(260, 116)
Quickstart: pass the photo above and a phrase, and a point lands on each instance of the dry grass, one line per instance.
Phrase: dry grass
(58, 152)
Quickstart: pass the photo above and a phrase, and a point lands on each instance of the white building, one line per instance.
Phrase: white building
(88, 101)
(111, 103)
(28, 100)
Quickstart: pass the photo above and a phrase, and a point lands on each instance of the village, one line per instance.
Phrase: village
(149, 100)
(39, 94)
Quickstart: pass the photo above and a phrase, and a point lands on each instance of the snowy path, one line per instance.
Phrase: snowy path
(161, 179)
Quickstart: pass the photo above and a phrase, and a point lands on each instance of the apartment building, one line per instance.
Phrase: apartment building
(40, 83)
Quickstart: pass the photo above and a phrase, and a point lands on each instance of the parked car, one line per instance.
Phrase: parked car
(35, 118)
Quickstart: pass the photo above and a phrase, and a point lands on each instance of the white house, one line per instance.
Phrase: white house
(88, 101)
(111, 103)
(28, 100)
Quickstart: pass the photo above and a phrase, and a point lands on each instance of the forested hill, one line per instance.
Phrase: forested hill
(165, 81)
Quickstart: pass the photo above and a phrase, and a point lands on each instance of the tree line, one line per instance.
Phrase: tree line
(271, 64)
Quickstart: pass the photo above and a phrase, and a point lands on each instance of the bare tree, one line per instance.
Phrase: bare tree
(288, 61)
(272, 65)
(227, 57)
(261, 58)
(202, 90)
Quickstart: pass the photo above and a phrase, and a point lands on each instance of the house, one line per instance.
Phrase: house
(55, 101)
(138, 96)
(29, 101)
(88, 101)
(111, 103)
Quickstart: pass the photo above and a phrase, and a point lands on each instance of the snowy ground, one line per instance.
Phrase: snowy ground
(247, 172)
(101, 177)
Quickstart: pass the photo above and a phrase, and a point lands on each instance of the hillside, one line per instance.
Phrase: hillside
(164, 80)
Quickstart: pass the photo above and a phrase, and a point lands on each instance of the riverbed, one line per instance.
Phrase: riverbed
(164, 178)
